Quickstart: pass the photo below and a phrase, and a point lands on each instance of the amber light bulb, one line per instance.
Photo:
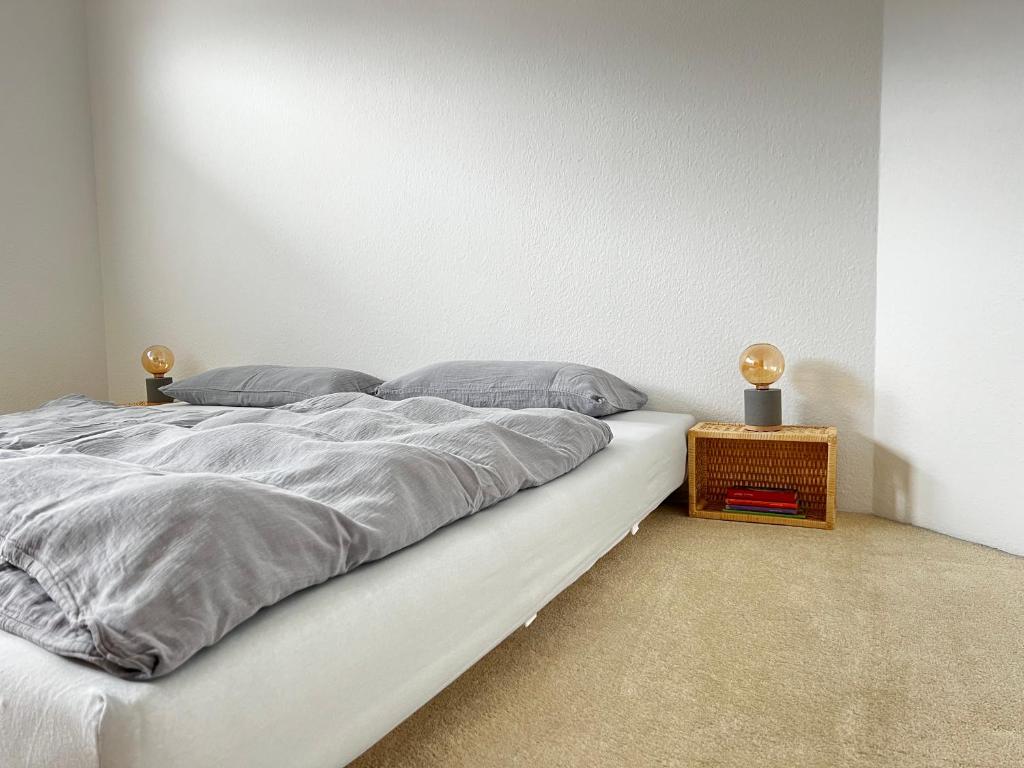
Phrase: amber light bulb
(762, 364)
(157, 360)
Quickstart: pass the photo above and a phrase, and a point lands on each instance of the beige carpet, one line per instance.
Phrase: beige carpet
(704, 643)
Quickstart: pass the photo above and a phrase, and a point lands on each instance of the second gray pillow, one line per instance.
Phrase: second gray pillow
(515, 384)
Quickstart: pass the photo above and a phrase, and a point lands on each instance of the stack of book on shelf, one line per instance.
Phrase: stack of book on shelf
(775, 502)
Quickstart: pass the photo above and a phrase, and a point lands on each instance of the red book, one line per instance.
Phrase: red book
(759, 495)
(758, 503)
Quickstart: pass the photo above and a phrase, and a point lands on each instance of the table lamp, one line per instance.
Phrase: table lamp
(762, 365)
(157, 360)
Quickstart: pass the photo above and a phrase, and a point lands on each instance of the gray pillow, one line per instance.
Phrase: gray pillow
(511, 384)
(265, 386)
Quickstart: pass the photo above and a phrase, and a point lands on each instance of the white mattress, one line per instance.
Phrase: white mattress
(318, 678)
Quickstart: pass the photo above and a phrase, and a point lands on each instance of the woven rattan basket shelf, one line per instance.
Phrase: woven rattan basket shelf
(804, 458)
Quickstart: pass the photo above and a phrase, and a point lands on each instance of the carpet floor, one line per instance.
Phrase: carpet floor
(707, 643)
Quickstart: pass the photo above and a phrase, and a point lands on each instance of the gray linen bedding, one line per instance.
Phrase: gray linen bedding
(133, 537)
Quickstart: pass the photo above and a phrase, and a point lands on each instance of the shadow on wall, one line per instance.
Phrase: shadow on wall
(832, 394)
(893, 486)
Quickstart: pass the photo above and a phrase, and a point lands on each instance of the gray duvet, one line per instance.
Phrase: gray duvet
(133, 537)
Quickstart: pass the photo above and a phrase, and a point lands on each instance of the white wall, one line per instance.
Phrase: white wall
(643, 186)
(51, 315)
(949, 414)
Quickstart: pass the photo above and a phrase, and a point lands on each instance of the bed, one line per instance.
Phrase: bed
(318, 678)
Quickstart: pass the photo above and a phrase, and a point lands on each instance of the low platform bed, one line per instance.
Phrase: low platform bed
(318, 678)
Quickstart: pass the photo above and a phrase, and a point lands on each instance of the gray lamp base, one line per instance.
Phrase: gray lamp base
(153, 393)
(762, 409)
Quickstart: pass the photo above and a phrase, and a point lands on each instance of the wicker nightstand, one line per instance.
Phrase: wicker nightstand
(804, 458)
